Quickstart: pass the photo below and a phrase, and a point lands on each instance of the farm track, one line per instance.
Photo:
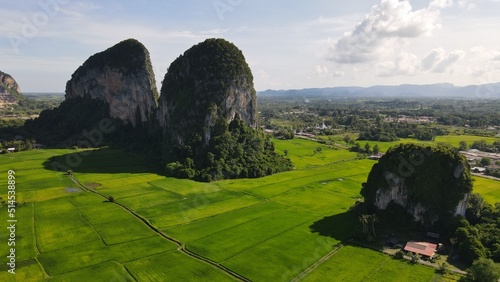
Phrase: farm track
(315, 265)
(180, 245)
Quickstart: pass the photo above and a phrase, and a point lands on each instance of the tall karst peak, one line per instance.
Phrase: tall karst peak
(122, 76)
(208, 115)
(211, 80)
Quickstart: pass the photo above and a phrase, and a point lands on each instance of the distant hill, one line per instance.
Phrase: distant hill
(442, 90)
(10, 93)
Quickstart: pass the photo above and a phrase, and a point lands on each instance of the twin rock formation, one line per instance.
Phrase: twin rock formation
(211, 79)
(204, 91)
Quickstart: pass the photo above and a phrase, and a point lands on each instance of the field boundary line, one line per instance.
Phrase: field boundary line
(302, 185)
(35, 241)
(180, 245)
(90, 223)
(210, 216)
(225, 229)
(311, 175)
(265, 240)
(319, 262)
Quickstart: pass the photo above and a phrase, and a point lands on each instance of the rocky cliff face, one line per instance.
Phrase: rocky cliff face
(430, 183)
(121, 76)
(10, 93)
(210, 82)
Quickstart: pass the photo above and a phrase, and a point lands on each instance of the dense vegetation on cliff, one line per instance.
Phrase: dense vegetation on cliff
(236, 151)
(208, 105)
(65, 123)
(479, 235)
(435, 179)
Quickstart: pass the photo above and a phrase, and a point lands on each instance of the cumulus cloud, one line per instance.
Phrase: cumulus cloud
(388, 24)
(436, 61)
(448, 61)
(439, 61)
(467, 4)
(320, 70)
(403, 64)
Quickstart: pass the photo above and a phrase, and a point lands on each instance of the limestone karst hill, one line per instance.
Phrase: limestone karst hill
(208, 113)
(121, 76)
(10, 92)
(430, 183)
(203, 126)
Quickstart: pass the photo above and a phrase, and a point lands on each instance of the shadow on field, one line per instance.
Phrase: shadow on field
(100, 161)
(342, 226)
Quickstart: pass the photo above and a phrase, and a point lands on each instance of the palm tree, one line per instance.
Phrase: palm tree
(453, 241)
(373, 218)
(364, 219)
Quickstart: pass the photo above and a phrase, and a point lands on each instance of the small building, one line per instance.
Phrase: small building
(10, 150)
(478, 169)
(422, 248)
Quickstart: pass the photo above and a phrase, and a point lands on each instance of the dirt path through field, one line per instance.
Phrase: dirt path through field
(180, 245)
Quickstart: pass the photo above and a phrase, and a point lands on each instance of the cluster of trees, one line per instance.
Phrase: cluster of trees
(67, 120)
(34, 104)
(284, 134)
(360, 115)
(386, 132)
(479, 235)
(235, 151)
(19, 145)
(482, 145)
(366, 149)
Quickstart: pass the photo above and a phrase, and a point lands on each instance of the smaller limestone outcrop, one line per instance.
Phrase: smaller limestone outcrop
(430, 183)
(10, 92)
(121, 76)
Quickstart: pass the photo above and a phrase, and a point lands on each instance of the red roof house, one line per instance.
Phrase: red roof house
(421, 248)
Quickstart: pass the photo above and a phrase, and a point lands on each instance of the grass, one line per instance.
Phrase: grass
(180, 268)
(28, 270)
(229, 242)
(303, 153)
(353, 263)
(203, 228)
(108, 271)
(270, 228)
(488, 188)
(96, 252)
(59, 218)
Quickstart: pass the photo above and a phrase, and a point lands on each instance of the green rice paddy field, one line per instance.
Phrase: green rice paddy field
(267, 229)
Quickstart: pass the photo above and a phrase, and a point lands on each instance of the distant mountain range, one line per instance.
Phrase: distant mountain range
(441, 90)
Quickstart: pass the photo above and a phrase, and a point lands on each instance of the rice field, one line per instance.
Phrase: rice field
(272, 228)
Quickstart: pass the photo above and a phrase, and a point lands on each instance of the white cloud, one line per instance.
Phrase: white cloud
(440, 4)
(448, 61)
(387, 26)
(320, 70)
(438, 61)
(403, 64)
(338, 73)
(467, 4)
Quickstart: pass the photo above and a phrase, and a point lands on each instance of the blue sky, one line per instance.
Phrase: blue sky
(288, 44)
